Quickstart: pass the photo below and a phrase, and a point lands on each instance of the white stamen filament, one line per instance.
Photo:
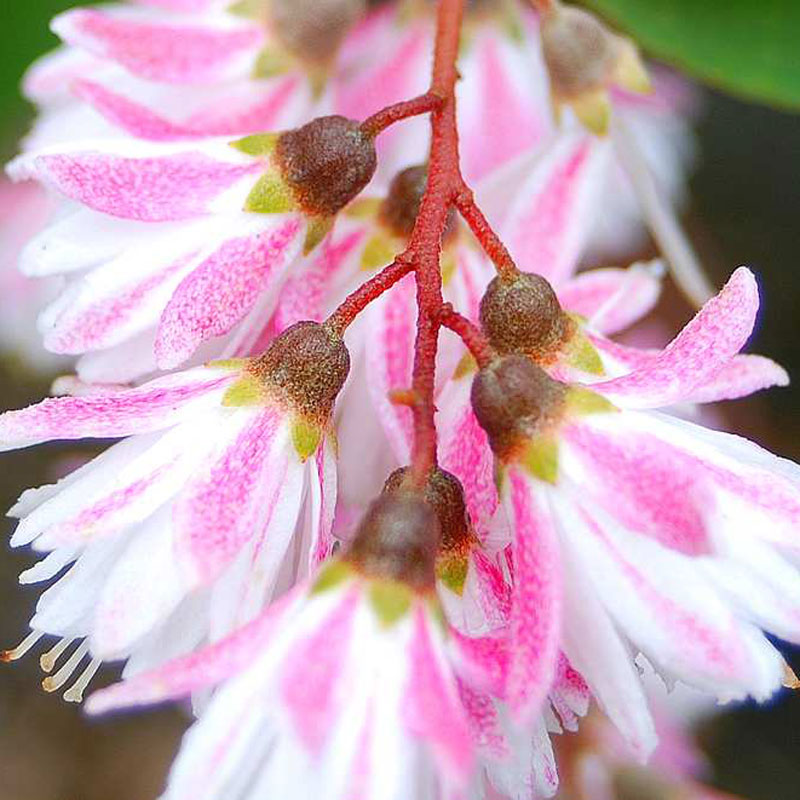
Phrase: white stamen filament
(55, 682)
(75, 693)
(48, 660)
(663, 224)
(22, 648)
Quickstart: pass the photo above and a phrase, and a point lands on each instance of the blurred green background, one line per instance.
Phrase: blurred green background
(744, 210)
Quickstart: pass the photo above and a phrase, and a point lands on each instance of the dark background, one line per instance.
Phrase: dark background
(744, 210)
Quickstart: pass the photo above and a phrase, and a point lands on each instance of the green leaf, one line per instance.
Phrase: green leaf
(747, 47)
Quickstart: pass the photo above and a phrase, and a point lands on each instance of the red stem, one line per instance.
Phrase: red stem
(469, 333)
(485, 234)
(382, 119)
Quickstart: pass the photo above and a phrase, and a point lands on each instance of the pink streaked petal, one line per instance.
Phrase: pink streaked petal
(744, 375)
(138, 120)
(200, 670)
(224, 287)
(184, 6)
(570, 694)
(431, 709)
(650, 488)
(219, 510)
(179, 53)
(50, 76)
(492, 589)
(311, 684)
(390, 357)
(323, 504)
(535, 624)
(464, 450)
(550, 218)
(153, 406)
(483, 661)
(484, 722)
(498, 116)
(699, 352)
(613, 299)
(158, 189)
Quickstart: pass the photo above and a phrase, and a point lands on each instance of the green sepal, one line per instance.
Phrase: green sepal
(332, 575)
(257, 144)
(229, 363)
(581, 402)
(448, 266)
(306, 437)
(363, 208)
(390, 600)
(270, 195)
(540, 458)
(271, 62)
(379, 251)
(247, 391)
(581, 354)
(252, 9)
(318, 229)
(451, 569)
(465, 367)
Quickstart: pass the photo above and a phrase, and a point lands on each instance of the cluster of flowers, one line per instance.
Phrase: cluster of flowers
(226, 180)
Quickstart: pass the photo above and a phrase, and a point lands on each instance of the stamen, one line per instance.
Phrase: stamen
(75, 693)
(48, 660)
(55, 682)
(661, 220)
(22, 648)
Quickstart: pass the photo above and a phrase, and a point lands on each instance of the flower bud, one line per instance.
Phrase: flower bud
(523, 315)
(399, 210)
(584, 58)
(313, 30)
(514, 400)
(325, 163)
(397, 540)
(305, 366)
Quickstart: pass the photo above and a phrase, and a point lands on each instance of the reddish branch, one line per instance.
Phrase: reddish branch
(444, 190)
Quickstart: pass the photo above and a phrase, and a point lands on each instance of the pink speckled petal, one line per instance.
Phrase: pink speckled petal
(233, 495)
(570, 695)
(184, 6)
(158, 188)
(535, 624)
(483, 661)
(323, 503)
(612, 299)
(200, 670)
(484, 722)
(551, 215)
(224, 288)
(431, 709)
(464, 450)
(311, 677)
(499, 116)
(699, 352)
(171, 53)
(390, 358)
(153, 406)
(744, 375)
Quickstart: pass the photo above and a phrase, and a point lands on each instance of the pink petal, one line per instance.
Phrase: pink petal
(311, 681)
(551, 215)
(536, 611)
(699, 352)
(182, 54)
(223, 506)
(744, 375)
(570, 694)
(200, 670)
(224, 288)
(323, 504)
(498, 116)
(185, 6)
(484, 722)
(612, 299)
(155, 405)
(483, 661)
(432, 710)
(390, 358)
(157, 189)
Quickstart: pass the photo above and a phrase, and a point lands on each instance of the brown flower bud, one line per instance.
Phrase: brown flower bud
(307, 366)
(445, 495)
(514, 400)
(397, 540)
(523, 315)
(325, 163)
(313, 29)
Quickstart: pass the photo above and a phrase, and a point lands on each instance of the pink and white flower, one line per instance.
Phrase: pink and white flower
(221, 494)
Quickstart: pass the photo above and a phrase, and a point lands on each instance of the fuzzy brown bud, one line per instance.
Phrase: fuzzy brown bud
(314, 29)
(445, 495)
(513, 400)
(523, 315)
(326, 163)
(306, 365)
(397, 539)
